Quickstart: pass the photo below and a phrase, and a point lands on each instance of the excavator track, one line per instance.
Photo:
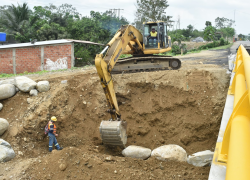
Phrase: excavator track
(146, 63)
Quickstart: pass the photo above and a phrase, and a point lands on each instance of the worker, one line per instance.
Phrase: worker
(153, 37)
(52, 134)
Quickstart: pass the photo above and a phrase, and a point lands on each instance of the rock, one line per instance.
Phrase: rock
(64, 82)
(43, 86)
(20, 153)
(6, 151)
(136, 152)
(1, 106)
(8, 81)
(17, 89)
(170, 152)
(7, 91)
(109, 158)
(200, 159)
(63, 166)
(25, 84)
(29, 100)
(4, 124)
(33, 92)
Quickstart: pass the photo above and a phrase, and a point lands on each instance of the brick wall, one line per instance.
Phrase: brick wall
(30, 59)
(58, 51)
(6, 62)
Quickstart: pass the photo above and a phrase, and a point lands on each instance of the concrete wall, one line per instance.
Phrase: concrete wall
(32, 59)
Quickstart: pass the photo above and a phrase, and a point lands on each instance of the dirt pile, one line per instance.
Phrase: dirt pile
(181, 107)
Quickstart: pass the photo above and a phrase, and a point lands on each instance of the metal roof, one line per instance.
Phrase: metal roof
(51, 42)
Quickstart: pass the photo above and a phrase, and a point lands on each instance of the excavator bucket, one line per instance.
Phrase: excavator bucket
(113, 133)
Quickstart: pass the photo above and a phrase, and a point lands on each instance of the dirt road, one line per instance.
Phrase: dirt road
(182, 107)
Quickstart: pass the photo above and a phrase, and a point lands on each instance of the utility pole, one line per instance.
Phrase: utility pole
(116, 12)
(178, 23)
(234, 22)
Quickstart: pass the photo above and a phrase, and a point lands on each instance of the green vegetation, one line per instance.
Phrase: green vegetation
(176, 50)
(223, 47)
(125, 55)
(151, 10)
(65, 22)
(4, 75)
(60, 22)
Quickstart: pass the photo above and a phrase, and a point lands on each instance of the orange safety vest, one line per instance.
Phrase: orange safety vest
(153, 34)
(54, 128)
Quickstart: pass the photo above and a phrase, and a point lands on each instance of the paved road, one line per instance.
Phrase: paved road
(218, 57)
(236, 45)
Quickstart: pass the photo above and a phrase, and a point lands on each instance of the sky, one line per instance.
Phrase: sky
(194, 12)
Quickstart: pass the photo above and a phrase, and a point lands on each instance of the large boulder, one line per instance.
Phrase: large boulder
(8, 81)
(136, 152)
(200, 159)
(170, 152)
(6, 151)
(7, 91)
(1, 106)
(25, 84)
(4, 124)
(43, 86)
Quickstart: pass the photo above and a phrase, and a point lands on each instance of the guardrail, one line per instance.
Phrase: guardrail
(235, 147)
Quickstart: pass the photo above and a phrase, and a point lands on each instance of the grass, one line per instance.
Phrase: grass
(125, 56)
(198, 51)
(4, 75)
(222, 47)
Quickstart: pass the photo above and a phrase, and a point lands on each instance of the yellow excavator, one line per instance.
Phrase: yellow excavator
(129, 40)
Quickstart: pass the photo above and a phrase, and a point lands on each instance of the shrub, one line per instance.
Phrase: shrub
(184, 47)
(222, 41)
(176, 49)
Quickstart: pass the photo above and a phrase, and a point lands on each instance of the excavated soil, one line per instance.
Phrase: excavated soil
(182, 107)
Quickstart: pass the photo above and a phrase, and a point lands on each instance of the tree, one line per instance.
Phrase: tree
(242, 37)
(53, 21)
(208, 23)
(223, 22)
(108, 21)
(15, 19)
(228, 31)
(150, 10)
(190, 28)
(209, 33)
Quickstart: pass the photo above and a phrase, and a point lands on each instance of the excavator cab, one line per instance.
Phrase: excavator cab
(161, 41)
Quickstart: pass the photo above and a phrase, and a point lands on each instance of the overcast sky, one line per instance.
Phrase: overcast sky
(194, 12)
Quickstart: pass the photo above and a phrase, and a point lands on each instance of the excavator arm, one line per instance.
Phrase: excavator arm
(104, 65)
(113, 132)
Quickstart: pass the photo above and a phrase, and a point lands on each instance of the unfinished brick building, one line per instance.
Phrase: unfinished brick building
(28, 57)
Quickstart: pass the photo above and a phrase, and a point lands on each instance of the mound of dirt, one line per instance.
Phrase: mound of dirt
(182, 107)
